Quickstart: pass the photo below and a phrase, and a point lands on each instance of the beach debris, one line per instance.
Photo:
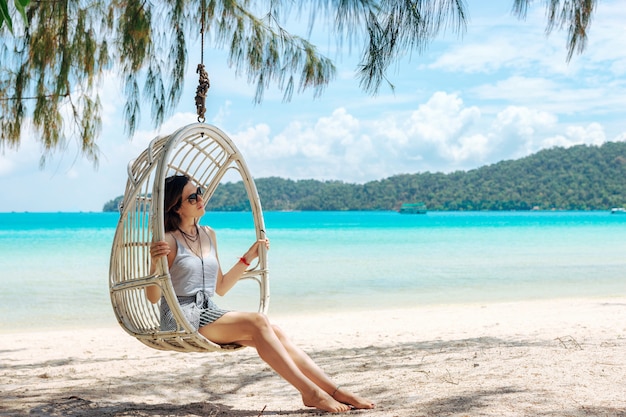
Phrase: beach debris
(568, 342)
(449, 379)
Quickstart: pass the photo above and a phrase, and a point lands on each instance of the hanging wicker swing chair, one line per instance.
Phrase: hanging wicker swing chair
(205, 154)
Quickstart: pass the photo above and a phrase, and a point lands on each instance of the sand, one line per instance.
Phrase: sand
(532, 358)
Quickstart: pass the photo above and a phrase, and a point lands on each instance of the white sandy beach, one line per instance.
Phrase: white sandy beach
(535, 358)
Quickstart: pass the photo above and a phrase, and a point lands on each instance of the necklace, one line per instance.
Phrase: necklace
(200, 255)
(191, 238)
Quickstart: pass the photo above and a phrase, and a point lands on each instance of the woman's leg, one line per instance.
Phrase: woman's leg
(253, 329)
(317, 375)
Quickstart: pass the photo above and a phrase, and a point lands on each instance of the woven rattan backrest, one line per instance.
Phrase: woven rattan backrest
(206, 155)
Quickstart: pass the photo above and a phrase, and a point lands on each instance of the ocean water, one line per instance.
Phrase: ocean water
(55, 266)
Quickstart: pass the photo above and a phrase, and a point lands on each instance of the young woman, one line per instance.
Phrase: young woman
(191, 252)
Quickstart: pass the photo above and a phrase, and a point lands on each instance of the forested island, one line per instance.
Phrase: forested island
(583, 177)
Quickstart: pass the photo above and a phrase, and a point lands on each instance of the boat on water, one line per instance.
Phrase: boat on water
(618, 210)
(413, 208)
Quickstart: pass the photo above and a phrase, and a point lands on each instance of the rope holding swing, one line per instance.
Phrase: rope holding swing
(201, 91)
(203, 82)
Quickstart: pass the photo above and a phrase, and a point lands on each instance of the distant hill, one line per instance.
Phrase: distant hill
(582, 177)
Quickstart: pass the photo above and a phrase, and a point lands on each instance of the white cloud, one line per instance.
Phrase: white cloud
(516, 131)
(16, 161)
(6, 165)
(497, 43)
(441, 131)
(592, 134)
(620, 138)
(442, 134)
(478, 57)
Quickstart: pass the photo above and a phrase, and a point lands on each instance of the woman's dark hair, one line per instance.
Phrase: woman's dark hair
(172, 200)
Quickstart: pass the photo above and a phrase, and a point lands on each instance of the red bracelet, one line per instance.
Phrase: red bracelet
(243, 261)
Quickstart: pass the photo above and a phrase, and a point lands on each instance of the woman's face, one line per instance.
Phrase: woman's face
(193, 203)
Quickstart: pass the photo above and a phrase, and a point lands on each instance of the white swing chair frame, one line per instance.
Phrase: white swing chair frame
(205, 154)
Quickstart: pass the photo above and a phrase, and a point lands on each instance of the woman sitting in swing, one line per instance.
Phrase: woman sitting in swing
(191, 252)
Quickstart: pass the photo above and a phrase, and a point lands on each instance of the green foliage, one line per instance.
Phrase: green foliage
(577, 178)
(50, 72)
(51, 68)
(113, 205)
(5, 15)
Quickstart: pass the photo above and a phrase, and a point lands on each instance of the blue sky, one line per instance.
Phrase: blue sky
(501, 91)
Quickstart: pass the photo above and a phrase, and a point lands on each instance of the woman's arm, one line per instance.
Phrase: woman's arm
(228, 280)
(167, 248)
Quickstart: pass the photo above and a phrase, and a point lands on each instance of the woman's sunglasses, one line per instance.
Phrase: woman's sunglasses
(193, 198)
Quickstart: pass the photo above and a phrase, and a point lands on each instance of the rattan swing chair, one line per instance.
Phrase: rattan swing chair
(205, 154)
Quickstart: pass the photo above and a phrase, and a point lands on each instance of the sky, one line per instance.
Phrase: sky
(500, 91)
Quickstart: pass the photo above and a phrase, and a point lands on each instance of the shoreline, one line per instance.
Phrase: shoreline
(543, 357)
(352, 307)
(355, 306)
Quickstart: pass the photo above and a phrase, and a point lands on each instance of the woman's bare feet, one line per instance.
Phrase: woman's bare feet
(322, 401)
(354, 400)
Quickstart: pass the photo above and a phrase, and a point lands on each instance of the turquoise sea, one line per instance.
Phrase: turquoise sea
(55, 265)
